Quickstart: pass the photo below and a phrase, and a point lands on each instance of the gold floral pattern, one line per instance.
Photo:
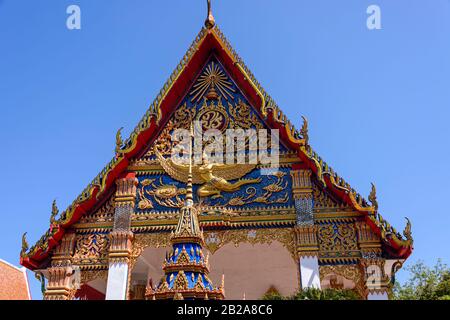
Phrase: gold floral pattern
(216, 239)
(337, 237)
(91, 248)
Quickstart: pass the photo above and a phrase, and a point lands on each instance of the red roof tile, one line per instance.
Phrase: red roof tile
(13, 282)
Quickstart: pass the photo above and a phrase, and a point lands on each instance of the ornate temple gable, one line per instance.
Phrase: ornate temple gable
(338, 241)
(217, 103)
(326, 202)
(91, 251)
(178, 87)
(104, 215)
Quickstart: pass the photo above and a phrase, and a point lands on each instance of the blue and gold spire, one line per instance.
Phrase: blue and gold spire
(185, 267)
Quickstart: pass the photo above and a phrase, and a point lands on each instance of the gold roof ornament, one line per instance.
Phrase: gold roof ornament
(25, 245)
(54, 213)
(209, 22)
(407, 231)
(178, 296)
(373, 198)
(119, 140)
(304, 131)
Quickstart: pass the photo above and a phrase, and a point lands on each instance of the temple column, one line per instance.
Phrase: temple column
(305, 230)
(62, 284)
(303, 197)
(308, 255)
(376, 280)
(121, 239)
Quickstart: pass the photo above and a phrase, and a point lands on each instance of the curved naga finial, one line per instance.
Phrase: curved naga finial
(55, 212)
(25, 245)
(304, 131)
(407, 231)
(119, 141)
(373, 197)
(209, 22)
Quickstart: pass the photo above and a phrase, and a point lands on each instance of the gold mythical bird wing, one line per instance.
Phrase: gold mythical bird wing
(180, 171)
(232, 171)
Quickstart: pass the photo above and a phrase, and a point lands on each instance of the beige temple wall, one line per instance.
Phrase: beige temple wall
(248, 269)
(253, 269)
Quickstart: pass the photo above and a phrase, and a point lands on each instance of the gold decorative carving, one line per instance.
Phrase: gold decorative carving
(211, 79)
(91, 248)
(213, 177)
(90, 275)
(349, 272)
(144, 240)
(214, 240)
(104, 214)
(164, 194)
(339, 237)
(243, 118)
(213, 117)
(275, 187)
(323, 200)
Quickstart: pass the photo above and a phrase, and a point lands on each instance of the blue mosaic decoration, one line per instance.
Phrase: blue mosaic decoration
(194, 252)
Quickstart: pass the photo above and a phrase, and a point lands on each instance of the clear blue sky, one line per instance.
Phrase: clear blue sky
(378, 101)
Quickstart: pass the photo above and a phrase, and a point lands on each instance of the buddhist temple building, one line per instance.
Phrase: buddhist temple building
(149, 227)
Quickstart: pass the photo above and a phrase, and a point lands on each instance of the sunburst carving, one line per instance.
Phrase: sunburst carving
(211, 79)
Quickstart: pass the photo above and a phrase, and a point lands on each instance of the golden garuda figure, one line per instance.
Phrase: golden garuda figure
(213, 177)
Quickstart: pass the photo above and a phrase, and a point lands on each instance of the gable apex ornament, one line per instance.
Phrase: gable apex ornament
(209, 22)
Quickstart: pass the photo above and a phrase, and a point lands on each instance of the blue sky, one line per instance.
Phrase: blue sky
(377, 100)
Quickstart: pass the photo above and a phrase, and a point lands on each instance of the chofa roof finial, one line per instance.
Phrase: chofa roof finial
(373, 197)
(209, 22)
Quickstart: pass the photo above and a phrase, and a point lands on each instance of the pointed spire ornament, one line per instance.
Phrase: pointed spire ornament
(209, 22)
(187, 239)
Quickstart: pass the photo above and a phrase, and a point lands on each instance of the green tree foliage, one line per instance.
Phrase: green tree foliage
(425, 283)
(315, 294)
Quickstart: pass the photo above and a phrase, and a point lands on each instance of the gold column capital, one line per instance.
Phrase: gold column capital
(60, 286)
(120, 246)
(125, 191)
(306, 240)
(301, 183)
